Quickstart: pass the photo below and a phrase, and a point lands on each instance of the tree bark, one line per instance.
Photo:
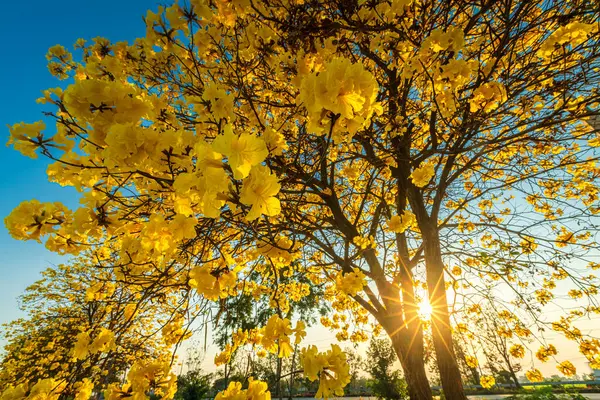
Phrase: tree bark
(409, 350)
(279, 392)
(440, 318)
(292, 375)
(515, 379)
(511, 370)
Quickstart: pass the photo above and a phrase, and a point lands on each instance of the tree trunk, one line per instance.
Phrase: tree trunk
(515, 379)
(409, 350)
(512, 373)
(292, 375)
(440, 318)
(279, 392)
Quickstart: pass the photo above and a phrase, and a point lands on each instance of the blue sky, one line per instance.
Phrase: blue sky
(28, 29)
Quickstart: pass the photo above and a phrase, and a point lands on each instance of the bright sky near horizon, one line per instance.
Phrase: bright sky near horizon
(28, 30)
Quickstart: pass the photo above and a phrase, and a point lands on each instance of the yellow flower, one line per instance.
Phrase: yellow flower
(225, 356)
(439, 40)
(338, 373)
(364, 242)
(488, 97)
(528, 245)
(81, 349)
(351, 283)
(331, 367)
(422, 175)
(275, 141)
(276, 336)
(544, 353)
(259, 191)
(243, 152)
(262, 353)
(517, 351)
(233, 392)
(154, 375)
(471, 361)
(400, 223)
(173, 332)
(104, 342)
(285, 348)
(594, 361)
(26, 138)
(14, 392)
(534, 375)
(487, 381)
(300, 331)
(343, 88)
(312, 362)
(46, 389)
(32, 219)
(84, 389)
(257, 390)
(113, 392)
(204, 282)
(566, 368)
(543, 296)
(210, 286)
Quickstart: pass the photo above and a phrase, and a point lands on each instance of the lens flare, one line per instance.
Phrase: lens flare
(425, 310)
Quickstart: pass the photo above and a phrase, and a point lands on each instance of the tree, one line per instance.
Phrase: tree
(387, 383)
(469, 370)
(356, 363)
(491, 336)
(194, 384)
(79, 341)
(375, 143)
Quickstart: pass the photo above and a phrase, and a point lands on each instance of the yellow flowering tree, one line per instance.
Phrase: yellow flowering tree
(79, 343)
(388, 151)
(498, 339)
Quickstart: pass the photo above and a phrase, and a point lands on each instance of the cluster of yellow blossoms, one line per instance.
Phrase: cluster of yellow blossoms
(330, 367)
(46, 389)
(487, 381)
(204, 191)
(142, 380)
(401, 223)
(212, 283)
(274, 338)
(103, 342)
(344, 88)
(350, 283)
(423, 174)
(545, 352)
(257, 390)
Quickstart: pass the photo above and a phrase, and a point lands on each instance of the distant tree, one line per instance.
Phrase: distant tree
(554, 378)
(77, 341)
(468, 369)
(387, 382)
(195, 383)
(356, 363)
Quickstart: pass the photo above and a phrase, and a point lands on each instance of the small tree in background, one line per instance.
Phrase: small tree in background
(387, 381)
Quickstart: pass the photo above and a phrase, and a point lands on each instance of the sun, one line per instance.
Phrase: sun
(425, 310)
